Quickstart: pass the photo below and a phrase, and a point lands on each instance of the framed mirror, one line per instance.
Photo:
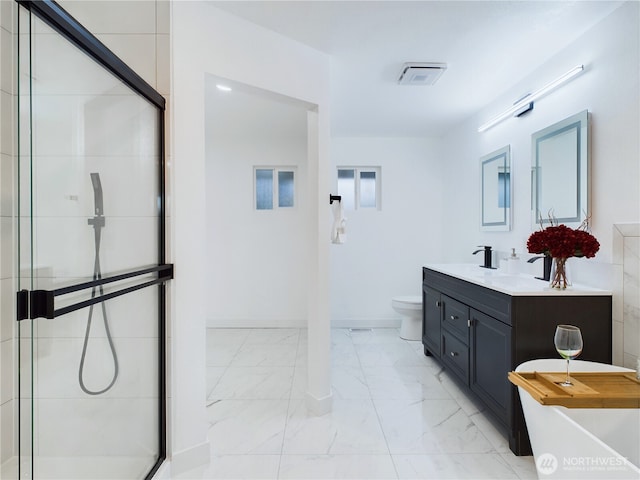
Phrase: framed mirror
(560, 171)
(495, 190)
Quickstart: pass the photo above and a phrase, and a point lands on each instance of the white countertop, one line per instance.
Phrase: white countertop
(517, 284)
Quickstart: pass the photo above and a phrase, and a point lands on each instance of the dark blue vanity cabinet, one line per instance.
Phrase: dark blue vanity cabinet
(480, 334)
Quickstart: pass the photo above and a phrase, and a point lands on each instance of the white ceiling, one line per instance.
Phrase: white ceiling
(489, 46)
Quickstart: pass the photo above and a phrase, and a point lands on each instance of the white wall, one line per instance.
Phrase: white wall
(609, 89)
(386, 248)
(257, 269)
(205, 41)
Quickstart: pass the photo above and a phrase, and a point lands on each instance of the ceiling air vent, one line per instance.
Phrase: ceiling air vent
(421, 73)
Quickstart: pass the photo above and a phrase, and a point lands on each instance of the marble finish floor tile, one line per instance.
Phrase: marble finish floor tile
(396, 413)
(454, 467)
(266, 355)
(452, 385)
(492, 430)
(524, 466)
(247, 426)
(365, 467)
(227, 336)
(231, 467)
(221, 355)
(351, 427)
(347, 382)
(302, 355)
(341, 335)
(429, 426)
(254, 383)
(387, 355)
(344, 354)
(274, 336)
(404, 383)
(214, 374)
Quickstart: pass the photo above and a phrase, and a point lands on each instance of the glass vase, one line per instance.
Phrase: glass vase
(559, 278)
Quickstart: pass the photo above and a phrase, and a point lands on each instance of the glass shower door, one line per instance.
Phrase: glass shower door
(91, 264)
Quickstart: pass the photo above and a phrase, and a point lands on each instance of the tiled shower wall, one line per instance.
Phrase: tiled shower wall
(7, 134)
(138, 32)
(626, 314)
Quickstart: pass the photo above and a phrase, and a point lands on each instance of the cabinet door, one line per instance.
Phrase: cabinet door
(431, 313)
(490, 351)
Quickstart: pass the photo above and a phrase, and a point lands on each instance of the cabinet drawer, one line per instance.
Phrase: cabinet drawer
(455, 354)
(455, 318)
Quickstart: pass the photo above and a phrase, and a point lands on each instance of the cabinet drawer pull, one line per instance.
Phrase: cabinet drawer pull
(469, 323)
(454, 317)
(438, 303)
(454, 354)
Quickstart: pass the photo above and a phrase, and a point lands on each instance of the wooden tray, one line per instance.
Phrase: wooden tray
(589, 390)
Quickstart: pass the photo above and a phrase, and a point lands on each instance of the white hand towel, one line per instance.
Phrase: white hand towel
(339, 228)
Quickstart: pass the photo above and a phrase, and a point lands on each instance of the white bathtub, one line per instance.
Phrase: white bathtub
(581, 443)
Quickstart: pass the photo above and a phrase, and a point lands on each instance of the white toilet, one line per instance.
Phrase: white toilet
(410, 308)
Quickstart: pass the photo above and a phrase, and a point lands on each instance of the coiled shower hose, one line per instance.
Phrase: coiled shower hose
(97, 222)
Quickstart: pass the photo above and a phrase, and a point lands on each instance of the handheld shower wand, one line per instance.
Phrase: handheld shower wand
(98, 223)
(97, 193)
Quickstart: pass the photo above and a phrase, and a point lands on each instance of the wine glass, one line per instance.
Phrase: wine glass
(568, 341)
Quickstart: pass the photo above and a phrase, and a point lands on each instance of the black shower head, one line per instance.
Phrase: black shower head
(97, 193)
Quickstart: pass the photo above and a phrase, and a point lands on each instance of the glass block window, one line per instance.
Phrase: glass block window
(359, 187)
(274, 188)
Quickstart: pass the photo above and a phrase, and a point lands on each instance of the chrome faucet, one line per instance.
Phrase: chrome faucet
(487, 256)
(546, 273)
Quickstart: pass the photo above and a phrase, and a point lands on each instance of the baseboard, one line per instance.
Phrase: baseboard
(189, 459)
(319, 406)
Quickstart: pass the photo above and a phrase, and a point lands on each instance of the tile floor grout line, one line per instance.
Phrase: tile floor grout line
(226, 368)
(228, 365)
(375, 409)
(286, 418)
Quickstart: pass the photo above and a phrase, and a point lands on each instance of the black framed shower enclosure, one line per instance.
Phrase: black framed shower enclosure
(91, 262)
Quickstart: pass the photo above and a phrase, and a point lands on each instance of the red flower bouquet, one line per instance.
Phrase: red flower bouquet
(561, 242)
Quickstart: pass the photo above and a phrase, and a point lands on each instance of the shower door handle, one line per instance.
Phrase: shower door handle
(41, 302)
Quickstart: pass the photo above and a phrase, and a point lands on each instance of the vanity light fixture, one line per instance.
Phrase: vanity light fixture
(526, 103)
(223, 88)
